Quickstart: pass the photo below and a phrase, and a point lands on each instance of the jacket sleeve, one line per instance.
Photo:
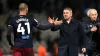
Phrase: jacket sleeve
(82, 35)
(55, 27)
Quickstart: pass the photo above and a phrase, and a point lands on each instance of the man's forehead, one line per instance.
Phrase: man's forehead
(93, 12)
(66, 11)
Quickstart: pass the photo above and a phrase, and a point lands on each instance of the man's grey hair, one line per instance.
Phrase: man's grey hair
(88, 12)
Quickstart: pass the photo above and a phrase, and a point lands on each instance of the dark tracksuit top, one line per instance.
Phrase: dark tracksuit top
(22, 26)
(92, 37)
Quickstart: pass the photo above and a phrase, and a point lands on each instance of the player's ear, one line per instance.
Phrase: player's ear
(26, 9)
(71, 13)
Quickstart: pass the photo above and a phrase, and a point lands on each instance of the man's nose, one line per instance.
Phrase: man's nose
(65, 15)
(94, 17)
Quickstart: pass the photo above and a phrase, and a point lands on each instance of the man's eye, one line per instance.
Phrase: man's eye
(64, 13)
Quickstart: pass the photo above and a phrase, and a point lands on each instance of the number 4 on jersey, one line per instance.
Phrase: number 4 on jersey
(22, 29)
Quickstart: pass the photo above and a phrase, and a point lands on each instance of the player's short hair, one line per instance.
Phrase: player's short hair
(67, 8)
(88, 12)
(22, 6)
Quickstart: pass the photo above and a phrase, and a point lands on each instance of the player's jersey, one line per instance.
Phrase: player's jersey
(22, 27)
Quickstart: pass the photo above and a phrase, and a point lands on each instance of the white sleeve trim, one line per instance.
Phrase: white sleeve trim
(35, 20)
(10, 25)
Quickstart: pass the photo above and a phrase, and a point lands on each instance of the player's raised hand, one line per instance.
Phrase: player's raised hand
(56, 22)
(50, 20)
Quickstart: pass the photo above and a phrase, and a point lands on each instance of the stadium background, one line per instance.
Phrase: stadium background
(41, 10)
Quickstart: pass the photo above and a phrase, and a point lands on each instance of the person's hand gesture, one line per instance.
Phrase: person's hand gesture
(50, 20)
(56, 22)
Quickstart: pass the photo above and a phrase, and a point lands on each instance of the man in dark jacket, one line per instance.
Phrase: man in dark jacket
(70, 31)
(91, 27)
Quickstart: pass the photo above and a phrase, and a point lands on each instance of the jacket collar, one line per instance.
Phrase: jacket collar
(72, 20)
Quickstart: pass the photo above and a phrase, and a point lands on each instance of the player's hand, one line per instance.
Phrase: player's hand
(50, 20)
(56, 22)
(11, 47)
(93, 29)
(83, 50)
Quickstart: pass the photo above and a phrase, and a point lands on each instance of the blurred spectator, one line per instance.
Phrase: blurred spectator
(42, 50)
(0, 52)
(55, 49)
